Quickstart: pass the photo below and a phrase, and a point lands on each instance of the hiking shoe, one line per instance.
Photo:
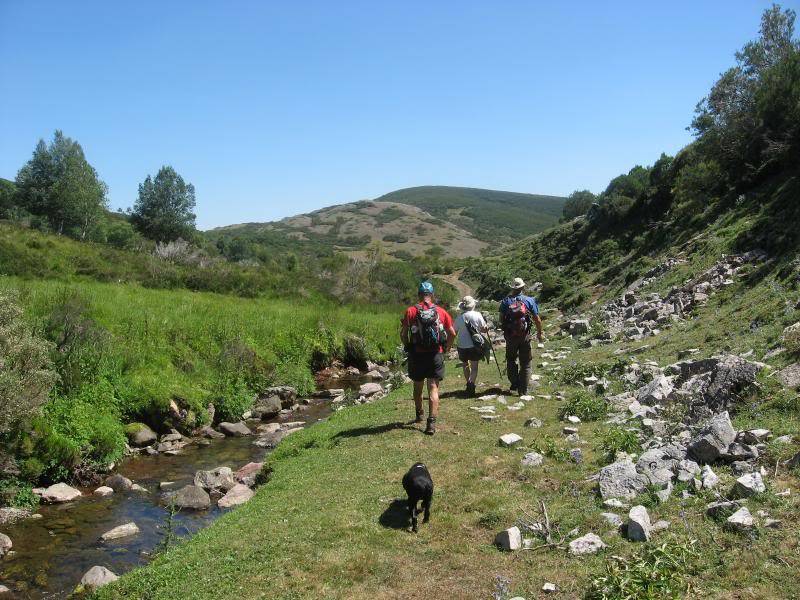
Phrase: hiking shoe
(420, 417)
(470, 390)
(431, 428)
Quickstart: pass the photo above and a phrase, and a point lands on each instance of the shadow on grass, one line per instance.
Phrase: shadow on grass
(396, 515)
(374, 430)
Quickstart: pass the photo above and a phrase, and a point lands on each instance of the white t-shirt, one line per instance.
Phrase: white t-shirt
(474, 318)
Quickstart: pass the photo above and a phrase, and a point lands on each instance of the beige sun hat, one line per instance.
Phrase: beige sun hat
(467, 303)
(517, 284)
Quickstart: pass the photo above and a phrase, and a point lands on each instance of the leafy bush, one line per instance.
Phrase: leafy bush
(354, 352)
(231, 398)
(586, 406)
(654, 572)
(618, 439)
(398, 238)
(26, 373)
(17, 494)
(791, 338)
(547, 446)
(577, 372)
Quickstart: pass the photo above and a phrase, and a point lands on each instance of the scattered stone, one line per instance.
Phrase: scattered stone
(103, 491)
(60, 492)
(741, 520)
(615, 503)
(576, 455)
(268, 428)
(533, 422)
(784, 439)
(723, 508)
(532, 459)
(713, 440)
(612, 519)
(549, 588)
(248, 473)
(687, 470)
(120, 532)
(578, 326)
(193, 497)
(621, 480)
(587, 544)
(740, 452)
(510, 439)
(656, 392)
(235, 429)
(659, 526)
(748, 485)
(370, 389)
(166, 484)
(754, 436)
(709, 478)
(569, 430)
(772, 523)
(238, 494)
(119, 483)
(220, 478)
(638, 524)
(509, 539)
(5, 544)
(790, 376)
(573, 419)
(140, 434)
(10, 515)
(97, 577)
(210, 433)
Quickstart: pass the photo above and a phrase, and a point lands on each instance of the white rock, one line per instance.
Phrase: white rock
(60, 492)
(103, 491)
(533, 422)
(5, 544)
(97, 577)
(709, 478)
(532, 459)
(510, 439)
(638, 524)
(741, 520)
(612, 519)
(120, 532)
(573, 419)
(587, 544)
(549, 588)
(238, 494)
(659, 526)
(748, 485)
(509, 539)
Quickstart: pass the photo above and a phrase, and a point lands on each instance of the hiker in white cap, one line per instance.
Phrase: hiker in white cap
(472, 343)
(518, 313)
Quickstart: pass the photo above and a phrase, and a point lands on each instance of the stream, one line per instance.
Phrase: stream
(53, 552)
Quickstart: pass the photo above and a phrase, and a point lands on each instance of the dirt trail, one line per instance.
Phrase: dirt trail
(454, 279)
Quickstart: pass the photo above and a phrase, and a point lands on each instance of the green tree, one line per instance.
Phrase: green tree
(578, 203)
(59, 184)
(164, 209)
(7, 199)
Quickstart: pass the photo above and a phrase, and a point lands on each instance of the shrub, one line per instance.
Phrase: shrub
(654, 572)
(17, 494)
(586, 406)
(547, 446)
(354, 352)
(618, 439)
(26, 374)
(791, 338)
(231, 399)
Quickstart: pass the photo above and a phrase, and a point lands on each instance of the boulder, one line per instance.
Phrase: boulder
(790, 376)
(97, 577)
(578, 326)
(737, 451)
(741, 520)
(248, 473)
(724, 508)
(753, 436)
(5, 544)
(191, 497)
(713, 440)
(10, 515)
(235, 429)
(621, 480)
(532, 459)
(655, 392)
(587, 544)
(687, 470)
(510, 439)
(267, 407)
(238, 494)
(103, 491)
(220, 478)
(731, 376)
(370, 389)
(509, 539)
(708, 478)
(60, 492)
(748, 485)
(118, 483)
(120, 532)
(612, 519)
(210, 433)
(140, 435)
(638, 529)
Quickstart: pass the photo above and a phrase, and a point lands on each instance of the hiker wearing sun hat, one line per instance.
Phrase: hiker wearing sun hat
(470, 327)
(427, 334)
(518, 313)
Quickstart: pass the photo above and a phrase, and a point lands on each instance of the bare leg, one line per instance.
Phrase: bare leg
(433, 398)
(473, 371)
(418, 385)
(467, 371)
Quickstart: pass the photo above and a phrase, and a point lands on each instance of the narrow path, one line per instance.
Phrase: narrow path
(454, 279)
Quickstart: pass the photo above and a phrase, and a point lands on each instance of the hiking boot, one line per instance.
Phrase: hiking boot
(470, 390)
(431, 428)
(420, 416)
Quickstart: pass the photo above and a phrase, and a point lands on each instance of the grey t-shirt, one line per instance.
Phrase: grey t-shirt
(475, 319)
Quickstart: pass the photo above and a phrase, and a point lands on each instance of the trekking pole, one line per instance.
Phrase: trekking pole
(497, 362)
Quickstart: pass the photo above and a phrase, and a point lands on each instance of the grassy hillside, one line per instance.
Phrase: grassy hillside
(347, 537)
(492, 216)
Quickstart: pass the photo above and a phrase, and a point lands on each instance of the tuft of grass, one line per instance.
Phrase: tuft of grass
(655, 572)
(586, 406)
(618, 439)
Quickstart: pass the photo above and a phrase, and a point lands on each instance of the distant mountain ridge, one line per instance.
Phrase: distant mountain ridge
(451, 222)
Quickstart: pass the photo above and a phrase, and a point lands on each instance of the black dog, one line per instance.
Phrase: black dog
(419, 486)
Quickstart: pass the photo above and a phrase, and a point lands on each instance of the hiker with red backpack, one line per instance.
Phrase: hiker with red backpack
(518, 313)
(427, 334)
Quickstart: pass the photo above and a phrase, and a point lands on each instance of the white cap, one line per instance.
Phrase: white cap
(517, 284)
(467, 303)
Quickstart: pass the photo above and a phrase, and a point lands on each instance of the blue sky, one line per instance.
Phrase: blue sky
(276, 108)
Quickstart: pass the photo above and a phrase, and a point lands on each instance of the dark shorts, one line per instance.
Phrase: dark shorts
(465, 354)
(426, 365)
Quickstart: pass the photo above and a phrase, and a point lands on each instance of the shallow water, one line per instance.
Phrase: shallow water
(52, 553)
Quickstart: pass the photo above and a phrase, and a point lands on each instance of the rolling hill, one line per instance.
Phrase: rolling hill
(450, 222)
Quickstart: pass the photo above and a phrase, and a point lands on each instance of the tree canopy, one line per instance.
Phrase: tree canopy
(578, 203)
(164, 210)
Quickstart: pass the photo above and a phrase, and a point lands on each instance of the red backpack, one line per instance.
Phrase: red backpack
(517, 319)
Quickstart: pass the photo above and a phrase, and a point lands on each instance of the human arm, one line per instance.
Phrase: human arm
(537, 321)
